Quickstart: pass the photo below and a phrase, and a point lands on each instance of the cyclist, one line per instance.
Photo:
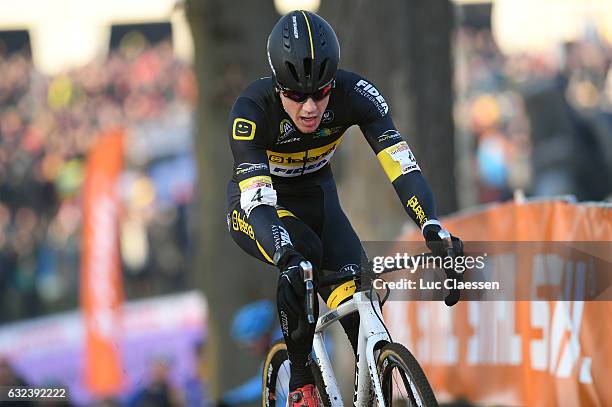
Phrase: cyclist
(283, 206)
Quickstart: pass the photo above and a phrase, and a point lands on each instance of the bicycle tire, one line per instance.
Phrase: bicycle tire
(417, 389)
(274, 362)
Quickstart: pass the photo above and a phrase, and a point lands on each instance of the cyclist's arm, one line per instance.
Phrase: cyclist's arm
(393, 153)
(248, 130)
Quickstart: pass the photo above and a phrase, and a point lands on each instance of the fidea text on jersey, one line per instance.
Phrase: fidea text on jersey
(366, 89)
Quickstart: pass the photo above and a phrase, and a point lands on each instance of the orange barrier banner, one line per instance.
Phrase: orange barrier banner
(101, 284)
(519, 353)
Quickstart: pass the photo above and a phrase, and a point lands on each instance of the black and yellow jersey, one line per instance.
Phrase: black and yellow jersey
(262, 132)
(272, 155)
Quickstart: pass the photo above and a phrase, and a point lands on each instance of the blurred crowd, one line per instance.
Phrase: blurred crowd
(47, 125)
(541, 122)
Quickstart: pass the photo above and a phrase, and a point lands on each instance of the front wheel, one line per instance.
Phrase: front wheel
(402, 379)
(276, 375)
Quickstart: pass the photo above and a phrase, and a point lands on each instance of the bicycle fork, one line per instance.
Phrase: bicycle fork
(371, 332)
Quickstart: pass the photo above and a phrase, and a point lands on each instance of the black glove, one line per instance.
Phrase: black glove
(290, 295)
(288, 261)
(439, 247)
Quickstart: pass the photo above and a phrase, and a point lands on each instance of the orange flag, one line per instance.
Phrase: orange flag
(101, 284)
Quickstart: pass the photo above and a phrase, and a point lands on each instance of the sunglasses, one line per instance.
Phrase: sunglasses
(300, 97)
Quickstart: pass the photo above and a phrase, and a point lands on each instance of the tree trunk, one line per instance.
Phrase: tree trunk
(230, 51)
(430, 90)
(405, 49)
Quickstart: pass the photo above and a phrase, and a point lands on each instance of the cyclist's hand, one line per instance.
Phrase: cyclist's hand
(288, 263)
(437, 246)
(291, 293)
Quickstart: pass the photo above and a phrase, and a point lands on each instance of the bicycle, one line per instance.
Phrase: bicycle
(380, 362)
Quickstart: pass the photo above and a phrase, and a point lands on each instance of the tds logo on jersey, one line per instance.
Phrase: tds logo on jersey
(366, 89)
(243, 129)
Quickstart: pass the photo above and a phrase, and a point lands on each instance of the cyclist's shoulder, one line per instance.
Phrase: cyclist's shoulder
(354, 86)
(347, 79)
(257, 102)
(360, 95)
(259, 92)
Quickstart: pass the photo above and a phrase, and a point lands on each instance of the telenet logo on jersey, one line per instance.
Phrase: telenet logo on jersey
(302, 162)
(243, 129)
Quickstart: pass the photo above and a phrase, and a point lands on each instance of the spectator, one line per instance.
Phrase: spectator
(254, 327)
(158, 392)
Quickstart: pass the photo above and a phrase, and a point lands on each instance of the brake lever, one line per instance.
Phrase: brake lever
(310, 297)
(454, 295)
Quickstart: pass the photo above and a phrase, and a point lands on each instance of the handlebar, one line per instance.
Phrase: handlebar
(338, 278)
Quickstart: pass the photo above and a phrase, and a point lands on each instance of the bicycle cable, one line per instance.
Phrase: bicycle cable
(376, 313)
(366, 267)
(386, 297)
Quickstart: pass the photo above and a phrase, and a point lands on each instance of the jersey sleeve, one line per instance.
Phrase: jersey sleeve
(372, 114)
(248, 132)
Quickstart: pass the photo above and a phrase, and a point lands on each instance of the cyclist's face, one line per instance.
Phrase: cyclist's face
(306, 116)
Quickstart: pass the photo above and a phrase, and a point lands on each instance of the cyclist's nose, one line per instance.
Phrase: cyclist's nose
(309, 106)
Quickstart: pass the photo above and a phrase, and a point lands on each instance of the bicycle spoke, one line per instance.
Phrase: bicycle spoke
(403, 397)
(399, 391)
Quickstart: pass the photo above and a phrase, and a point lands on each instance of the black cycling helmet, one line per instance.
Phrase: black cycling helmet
(303, 52)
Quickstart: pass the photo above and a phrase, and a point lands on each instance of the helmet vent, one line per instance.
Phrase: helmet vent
(323, 69)
(322, 36)
(286, 40)
(308, 67)
(293, 71)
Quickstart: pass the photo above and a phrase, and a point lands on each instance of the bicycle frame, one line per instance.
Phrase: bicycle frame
(371, 332)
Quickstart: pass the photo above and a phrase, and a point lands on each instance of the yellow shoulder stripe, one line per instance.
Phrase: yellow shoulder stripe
(392, 167)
